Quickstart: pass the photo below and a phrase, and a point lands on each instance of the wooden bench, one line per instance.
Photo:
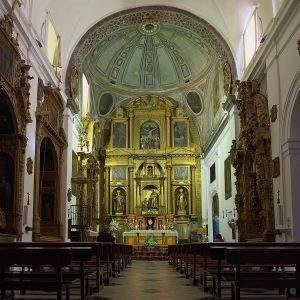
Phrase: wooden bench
(81, 254)
(211, 267)
(57, 258)
(262, 256)
(105, 256)
(217, 252)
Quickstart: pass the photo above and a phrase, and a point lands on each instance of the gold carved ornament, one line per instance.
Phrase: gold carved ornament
(14, 84)
(251, 158)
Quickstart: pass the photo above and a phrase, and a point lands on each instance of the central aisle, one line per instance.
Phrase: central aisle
(149, 280)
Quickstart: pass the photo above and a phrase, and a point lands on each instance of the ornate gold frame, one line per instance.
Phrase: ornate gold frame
(16, 88)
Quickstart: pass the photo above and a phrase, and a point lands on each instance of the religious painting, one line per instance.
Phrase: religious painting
(6, 58)
(227, 177)
(118, 173)
(149, 135)
(119, 135)
(181, 172)
(119, 201)
(212, 172)
(150, 198)
(180, 134)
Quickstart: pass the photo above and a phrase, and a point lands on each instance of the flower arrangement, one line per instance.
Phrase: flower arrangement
(129, 226)
(150, 212)
(151, 241)
(171, 226)
(114, 226)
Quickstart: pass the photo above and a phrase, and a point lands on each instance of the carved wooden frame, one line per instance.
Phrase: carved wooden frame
(49, 121)
(16, 88)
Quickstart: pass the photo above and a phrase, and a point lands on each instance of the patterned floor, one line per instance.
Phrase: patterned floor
(153, 280)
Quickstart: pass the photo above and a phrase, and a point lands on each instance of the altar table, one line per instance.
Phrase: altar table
(138, 237)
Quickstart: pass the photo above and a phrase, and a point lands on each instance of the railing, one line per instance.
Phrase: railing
(81, 216)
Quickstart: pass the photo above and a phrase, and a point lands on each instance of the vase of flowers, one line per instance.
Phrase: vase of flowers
(151, 242)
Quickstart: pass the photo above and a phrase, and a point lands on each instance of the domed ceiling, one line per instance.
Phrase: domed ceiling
(149, 56)
(153, 50)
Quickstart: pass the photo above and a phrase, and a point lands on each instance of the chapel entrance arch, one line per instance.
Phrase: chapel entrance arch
(9, 175)
(291, 158)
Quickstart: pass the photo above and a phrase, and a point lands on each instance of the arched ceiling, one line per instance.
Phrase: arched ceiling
(155, 50)
(150, 49)
(73, 18)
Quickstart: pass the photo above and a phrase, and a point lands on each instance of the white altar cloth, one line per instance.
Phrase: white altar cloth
(148, 232)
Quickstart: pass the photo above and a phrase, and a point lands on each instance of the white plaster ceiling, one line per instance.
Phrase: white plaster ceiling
(72, 18)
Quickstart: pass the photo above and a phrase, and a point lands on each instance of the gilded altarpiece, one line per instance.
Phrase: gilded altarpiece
(50, 144)
(157, 174)
(251, 158)
(14, 115)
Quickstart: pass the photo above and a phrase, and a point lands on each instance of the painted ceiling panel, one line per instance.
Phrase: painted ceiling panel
(102, 56)
(133, 68)
(151, 49)
(166, 70)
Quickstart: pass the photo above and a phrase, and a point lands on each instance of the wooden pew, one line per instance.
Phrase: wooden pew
(108, 255)
(217, 252)
(205, 265)
(261, 256)
(34, 256)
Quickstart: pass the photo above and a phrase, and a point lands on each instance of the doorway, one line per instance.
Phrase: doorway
(49, 190)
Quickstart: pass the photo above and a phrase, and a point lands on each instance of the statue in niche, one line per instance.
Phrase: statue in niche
(150, 171)
(151, 201)
(181, 201)
(149, 136)
(154, 202)
(119, 199)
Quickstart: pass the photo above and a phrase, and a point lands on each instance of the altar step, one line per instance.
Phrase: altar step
(143, 253)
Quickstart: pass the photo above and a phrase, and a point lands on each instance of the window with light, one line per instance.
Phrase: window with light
(86, 96)
(250, 39)
(53, 47)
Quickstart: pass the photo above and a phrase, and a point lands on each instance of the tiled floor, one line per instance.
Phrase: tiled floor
(149, 280)
(153, 280)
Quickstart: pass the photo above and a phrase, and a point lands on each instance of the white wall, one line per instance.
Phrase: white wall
(279, 60)
(218, 154)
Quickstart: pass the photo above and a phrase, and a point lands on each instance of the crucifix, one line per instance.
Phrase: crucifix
(28, 195)
(13, 6)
